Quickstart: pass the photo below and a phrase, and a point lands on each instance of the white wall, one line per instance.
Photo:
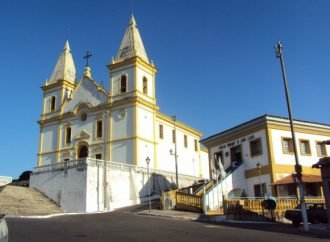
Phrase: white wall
(251, 182)
(85, 92)
(115, 81)
(145, 123)
(122, 151)
(50, 138)
(47, 100)
(140, 73)
(121, 128)
(289, 159)
(68, 189)
(83, 190)
(244, 141)
(189, 160)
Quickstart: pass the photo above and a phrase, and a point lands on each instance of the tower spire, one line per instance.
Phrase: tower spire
(132, 45)
(64, 68)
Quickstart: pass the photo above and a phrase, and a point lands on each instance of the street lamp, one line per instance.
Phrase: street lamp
(175, 153)
(148, 162)
(259, 169)
(298, 169)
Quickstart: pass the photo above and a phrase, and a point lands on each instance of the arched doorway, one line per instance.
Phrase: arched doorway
(83, 151)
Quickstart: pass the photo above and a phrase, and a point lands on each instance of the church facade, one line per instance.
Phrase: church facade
(81, 119)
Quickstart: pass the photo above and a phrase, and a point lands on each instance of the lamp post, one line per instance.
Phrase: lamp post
(298, 169)
(259, 169)
(148, 162)
(175, 153)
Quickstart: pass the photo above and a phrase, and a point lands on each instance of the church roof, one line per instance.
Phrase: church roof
(64, 68)
(132, 44)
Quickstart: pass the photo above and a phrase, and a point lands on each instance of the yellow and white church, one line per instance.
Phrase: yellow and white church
(98, 132)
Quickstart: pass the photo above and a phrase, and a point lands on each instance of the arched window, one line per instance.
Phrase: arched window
(83, 152)
(52, 103)
(99, 129)
(145, 85)
(123, 84)
(68, 135)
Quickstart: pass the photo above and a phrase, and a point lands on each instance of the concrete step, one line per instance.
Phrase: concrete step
(25, 201)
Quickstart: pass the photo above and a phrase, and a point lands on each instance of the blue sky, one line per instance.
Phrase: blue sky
(216, 61)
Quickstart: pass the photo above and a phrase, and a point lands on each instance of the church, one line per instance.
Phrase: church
(123, 125)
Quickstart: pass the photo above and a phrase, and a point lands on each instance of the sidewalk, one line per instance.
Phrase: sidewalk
(319, 229)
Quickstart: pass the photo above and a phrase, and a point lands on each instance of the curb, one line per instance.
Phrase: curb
(167, 216)
(50, 215)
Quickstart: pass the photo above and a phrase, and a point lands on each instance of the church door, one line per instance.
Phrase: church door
(83, 152)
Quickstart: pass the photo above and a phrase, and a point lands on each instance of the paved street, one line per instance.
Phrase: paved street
(127, 226)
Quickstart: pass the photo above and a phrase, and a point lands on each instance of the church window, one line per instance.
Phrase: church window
(123, 84)
(52, 103)
(185, 139)
(173, 136)
(99, 129)
(98, 156)
(68, 135)
(83, 116)
(145, 85)
(161, 131)
(196, 145)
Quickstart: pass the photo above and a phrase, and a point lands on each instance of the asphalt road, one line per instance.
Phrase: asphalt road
(127, 226)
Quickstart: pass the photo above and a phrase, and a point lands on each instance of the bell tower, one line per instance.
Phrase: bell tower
(55, 91)
(133, 100)
(60, 84)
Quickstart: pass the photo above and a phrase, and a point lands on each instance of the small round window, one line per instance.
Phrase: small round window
(83, 117)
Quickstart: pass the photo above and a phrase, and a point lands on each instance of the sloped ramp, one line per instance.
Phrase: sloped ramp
(24, 201)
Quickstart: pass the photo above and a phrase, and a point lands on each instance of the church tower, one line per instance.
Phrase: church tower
(60, 84)
(133, 101)
(55, 91)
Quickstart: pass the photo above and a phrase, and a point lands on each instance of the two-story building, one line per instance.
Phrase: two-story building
(264, 148)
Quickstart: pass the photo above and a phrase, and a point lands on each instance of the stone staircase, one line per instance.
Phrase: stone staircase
(22, 201)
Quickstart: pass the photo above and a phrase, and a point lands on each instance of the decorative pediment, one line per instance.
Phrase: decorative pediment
(83, 135)
(87, 92)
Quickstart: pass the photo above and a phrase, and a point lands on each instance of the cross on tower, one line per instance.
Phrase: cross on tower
(87, 56)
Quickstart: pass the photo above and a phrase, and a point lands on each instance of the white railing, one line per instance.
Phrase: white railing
(61, 166)
(84, 162)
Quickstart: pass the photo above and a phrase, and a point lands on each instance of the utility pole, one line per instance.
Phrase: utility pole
(175, 153)
(298, 168)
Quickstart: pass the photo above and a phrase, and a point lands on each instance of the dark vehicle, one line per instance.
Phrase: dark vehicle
(316, 213)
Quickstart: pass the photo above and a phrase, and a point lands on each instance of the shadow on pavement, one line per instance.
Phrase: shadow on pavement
(274, 227)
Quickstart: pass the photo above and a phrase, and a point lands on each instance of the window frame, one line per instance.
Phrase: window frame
(99, 131)
(161, 131)
(68, 135)
(256, 141)
(290, 151)
(145, 85)
(123, 88)
(185, 140)
(256, 187)
(196, 145)
(309, 151)
(52, 104)
(324, 147)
